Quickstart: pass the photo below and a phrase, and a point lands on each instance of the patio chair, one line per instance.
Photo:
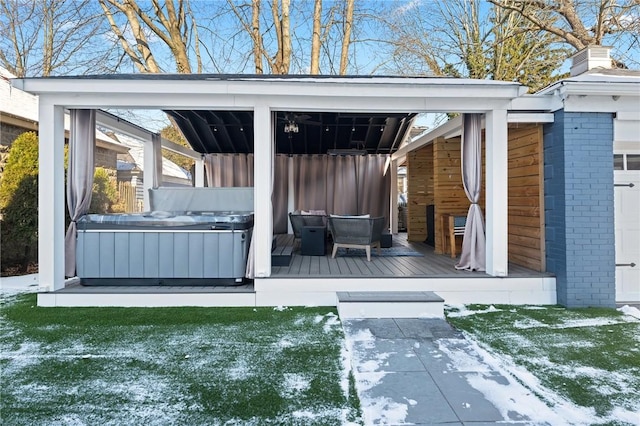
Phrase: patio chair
(456, 227)
(356, 232)
(299, 221)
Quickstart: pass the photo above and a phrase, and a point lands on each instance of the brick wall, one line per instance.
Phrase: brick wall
(579, 216)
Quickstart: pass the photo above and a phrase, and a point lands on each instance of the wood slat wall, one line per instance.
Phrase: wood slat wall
(526, 198)
(450, 197)
(420, 187)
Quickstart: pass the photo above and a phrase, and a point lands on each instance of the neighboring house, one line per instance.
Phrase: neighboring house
(131, 168)
(547, 187)
(19, 114)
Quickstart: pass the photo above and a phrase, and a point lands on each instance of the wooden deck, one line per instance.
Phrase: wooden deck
(315, 280)
(430, 265)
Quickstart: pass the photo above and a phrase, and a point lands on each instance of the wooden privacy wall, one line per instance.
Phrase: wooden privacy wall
(420, 186)
(526, 198)
(449, 193)
(434, 177)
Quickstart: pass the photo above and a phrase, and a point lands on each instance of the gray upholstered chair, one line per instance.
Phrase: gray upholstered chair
(299, 221)
(356, 232)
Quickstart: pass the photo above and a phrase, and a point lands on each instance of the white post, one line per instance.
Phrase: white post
(290, 192)
(150, 179)
(496, 152)
(394, 197)
(199, 171)
(263, 172)
(51, 196)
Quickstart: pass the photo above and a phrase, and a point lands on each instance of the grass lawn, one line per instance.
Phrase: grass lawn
(590, 357)
(192, 366)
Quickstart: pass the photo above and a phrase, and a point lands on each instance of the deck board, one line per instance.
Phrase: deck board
(431, 265)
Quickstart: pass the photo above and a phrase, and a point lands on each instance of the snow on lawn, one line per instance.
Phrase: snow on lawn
(284, 366)
(565, 367)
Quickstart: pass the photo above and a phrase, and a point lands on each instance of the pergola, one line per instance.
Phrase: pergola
(268, 98)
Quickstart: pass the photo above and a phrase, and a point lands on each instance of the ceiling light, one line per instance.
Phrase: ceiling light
(291, 127)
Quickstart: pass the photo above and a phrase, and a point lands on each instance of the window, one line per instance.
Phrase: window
(633, 161)
(618, 162)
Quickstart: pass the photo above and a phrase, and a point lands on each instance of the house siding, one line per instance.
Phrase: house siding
(579, 216)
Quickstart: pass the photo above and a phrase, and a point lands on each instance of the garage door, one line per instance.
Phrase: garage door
(627, 226)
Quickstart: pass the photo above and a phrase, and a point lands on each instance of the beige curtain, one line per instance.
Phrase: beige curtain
(228, 170)
(342, 184)
(374, 186)
(310, 189)
(79, 177)
(473, 256)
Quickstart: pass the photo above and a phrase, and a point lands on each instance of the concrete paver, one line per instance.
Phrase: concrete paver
(403, 364)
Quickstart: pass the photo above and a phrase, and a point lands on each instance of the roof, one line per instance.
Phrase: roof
(315, 132)
(370, 114)
(613, 81)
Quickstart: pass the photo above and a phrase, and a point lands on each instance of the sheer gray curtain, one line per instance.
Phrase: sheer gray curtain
(79, 177)
(375, 186)
(227, 170)
(310, 178)
(342, 180)
(473, 256)
(342, 184)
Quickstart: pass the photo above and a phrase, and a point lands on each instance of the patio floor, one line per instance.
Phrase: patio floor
(430, 265)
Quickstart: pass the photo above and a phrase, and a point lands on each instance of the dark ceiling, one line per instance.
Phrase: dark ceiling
(318, 132)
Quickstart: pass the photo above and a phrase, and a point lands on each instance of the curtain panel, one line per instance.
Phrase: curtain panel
(349, 185)
(79, 177)
(473, 256)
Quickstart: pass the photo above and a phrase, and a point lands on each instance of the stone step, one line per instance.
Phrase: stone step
(390, 304)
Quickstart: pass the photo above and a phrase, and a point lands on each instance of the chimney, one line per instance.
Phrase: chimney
(589, 58)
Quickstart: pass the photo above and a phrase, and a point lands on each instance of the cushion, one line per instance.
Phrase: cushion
(314, 212)
(362, 216)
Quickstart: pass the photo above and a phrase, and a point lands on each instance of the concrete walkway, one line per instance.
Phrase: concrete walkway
(403, 376)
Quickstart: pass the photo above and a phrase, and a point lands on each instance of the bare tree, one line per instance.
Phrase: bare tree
(49, 37)
(315, 37)
(455, 38)
(280, 61)
(346, 36)
(170, 22)
(582, 23)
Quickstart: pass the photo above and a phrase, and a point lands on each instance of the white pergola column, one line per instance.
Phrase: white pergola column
(199, 171)
(394, 196)
(496, 192)
(151, 178)
(51, 196)
(263, 176)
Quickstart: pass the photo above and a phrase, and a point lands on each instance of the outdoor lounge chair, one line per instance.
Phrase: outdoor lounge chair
(356, 232)
(300, 220)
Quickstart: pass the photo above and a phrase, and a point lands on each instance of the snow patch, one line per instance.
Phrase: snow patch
(630, 310)
(463, 311)
(295, 383)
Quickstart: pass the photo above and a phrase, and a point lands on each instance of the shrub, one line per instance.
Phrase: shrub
(19, 203)
(104, 193)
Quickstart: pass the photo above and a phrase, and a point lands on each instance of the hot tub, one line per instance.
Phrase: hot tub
(164, 248)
